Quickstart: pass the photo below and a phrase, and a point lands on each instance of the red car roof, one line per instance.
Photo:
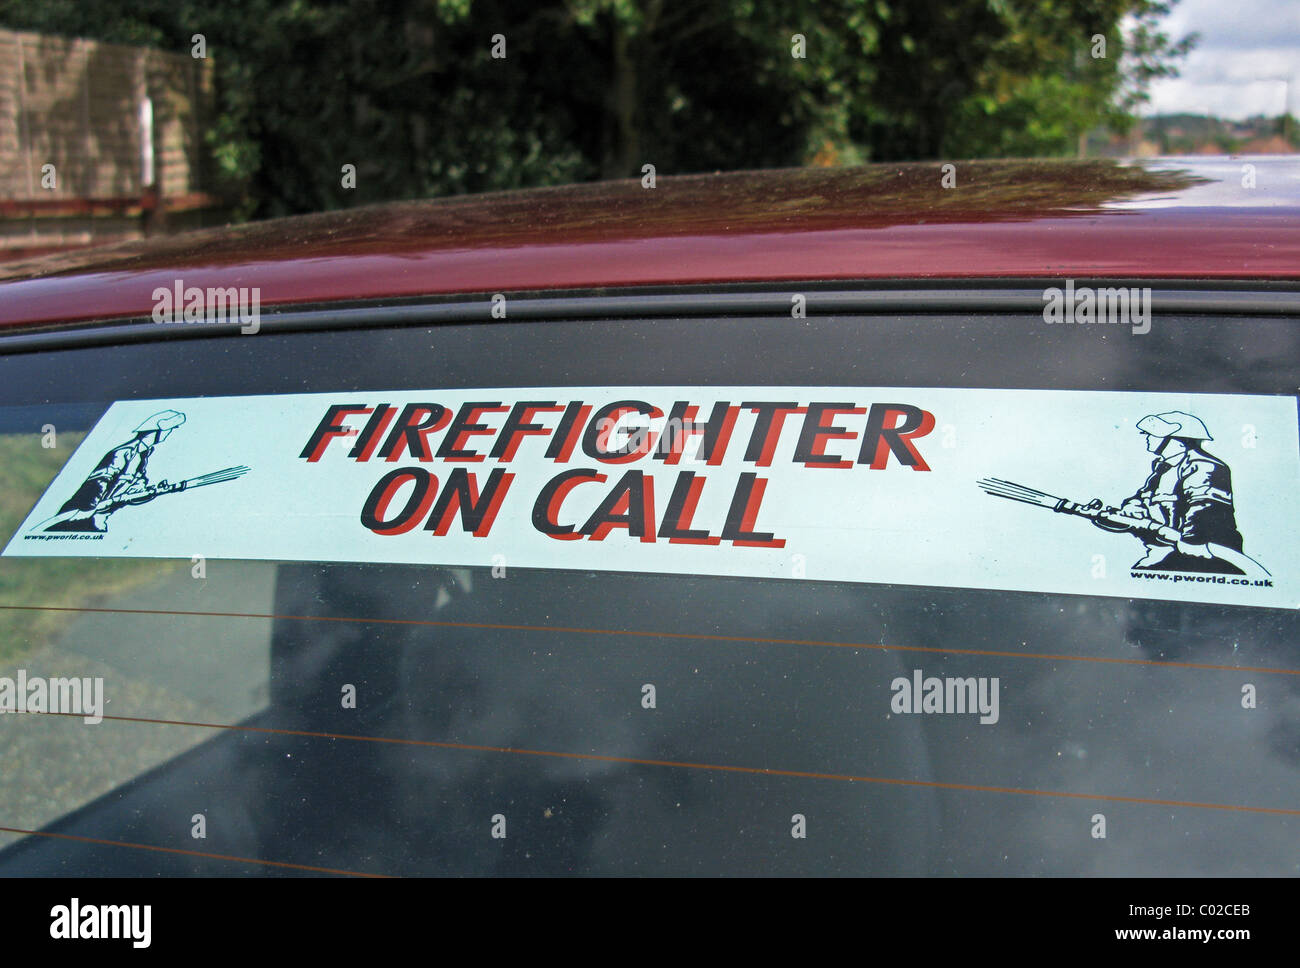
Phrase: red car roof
(1202, 218)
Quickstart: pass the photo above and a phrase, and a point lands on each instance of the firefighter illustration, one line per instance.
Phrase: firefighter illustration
(1183, 514)
(121, 479)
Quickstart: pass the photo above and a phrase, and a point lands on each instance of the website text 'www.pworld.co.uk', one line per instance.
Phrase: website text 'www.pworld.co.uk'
(1214, 579)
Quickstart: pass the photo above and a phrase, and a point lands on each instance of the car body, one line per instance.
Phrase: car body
(1177, 219)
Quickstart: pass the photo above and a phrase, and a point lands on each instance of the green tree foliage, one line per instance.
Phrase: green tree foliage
(410, 93)
(1059, 69)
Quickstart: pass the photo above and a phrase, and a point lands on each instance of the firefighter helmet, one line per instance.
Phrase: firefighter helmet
(161, 423)
(1174, 424)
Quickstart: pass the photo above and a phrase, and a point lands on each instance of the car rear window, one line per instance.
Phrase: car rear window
(876, 670)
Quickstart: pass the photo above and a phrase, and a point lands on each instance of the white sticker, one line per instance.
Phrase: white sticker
(1189, 497)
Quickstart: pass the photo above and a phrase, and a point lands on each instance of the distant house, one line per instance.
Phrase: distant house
(98, 142)
(1274, 145)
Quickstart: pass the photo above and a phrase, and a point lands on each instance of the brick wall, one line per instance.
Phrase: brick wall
(76, 104)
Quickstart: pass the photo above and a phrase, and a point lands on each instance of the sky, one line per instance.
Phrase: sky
(1235, 71)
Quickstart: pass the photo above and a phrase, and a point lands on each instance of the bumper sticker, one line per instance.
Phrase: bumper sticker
(1188, 497)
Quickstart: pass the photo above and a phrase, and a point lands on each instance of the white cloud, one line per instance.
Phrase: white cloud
(1248, 49)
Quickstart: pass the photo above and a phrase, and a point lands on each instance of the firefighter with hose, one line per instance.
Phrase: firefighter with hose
(1183, 513)
(121, 479)
(1188, 497)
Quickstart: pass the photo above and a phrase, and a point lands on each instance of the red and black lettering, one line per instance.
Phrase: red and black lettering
(546, 509)
(330, 427)
(596, 438)
(630, 504)
(518, 425)
(676, 525)
(742, 516)
(767, 430)
(374, 512)
(466, 425)
(681, 425)
(809, 450)
(461, 493)
(412, 429)
(891, 428)
(370, 434)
